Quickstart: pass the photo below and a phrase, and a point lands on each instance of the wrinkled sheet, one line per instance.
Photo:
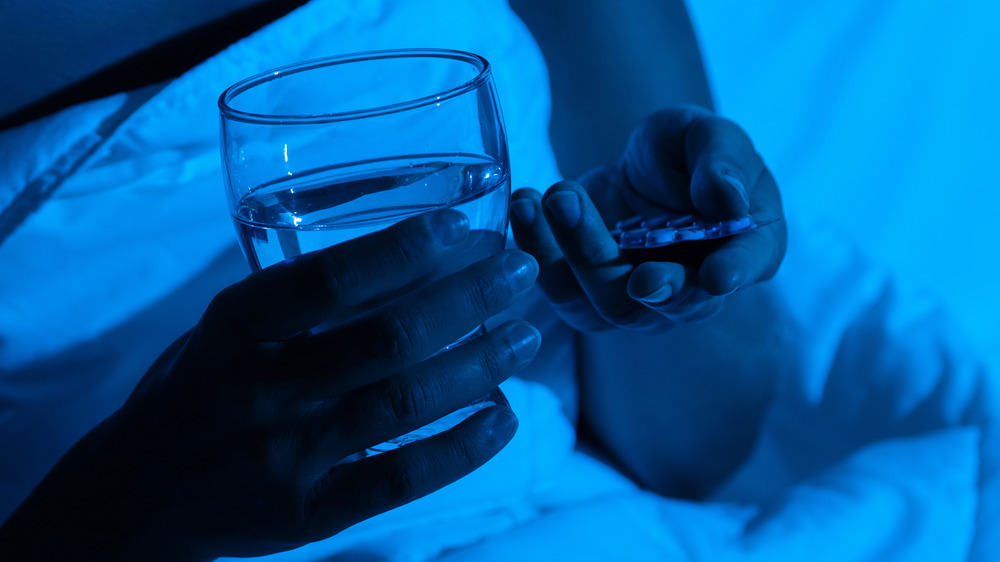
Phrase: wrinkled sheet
(880, 444)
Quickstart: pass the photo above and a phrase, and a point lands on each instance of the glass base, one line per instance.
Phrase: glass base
(443, 424)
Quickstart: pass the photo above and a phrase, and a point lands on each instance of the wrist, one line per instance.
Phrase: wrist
(96, 503)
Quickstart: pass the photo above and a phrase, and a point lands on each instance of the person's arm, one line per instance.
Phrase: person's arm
(611, 64)
(679, 410)
(243, 438)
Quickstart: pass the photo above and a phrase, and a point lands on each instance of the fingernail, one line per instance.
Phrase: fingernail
(658, 296)
(740, 188)
(729, 285)
(524, 210)
(448, 227)
(520, 270)
(524, 341)
(565, 208)
(505, 425)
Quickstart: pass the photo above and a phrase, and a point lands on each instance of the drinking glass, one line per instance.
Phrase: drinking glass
(324, 151)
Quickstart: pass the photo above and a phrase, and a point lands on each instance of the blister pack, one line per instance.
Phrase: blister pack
(664, 230)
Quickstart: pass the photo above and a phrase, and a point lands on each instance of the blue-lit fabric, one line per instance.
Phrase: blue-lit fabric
(880, 445)
(880, 120)
(875, 449)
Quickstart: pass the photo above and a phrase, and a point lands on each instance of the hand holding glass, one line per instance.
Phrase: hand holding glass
(321, 152)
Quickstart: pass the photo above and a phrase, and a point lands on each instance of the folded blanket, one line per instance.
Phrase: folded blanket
(890, 501)
(880, 444)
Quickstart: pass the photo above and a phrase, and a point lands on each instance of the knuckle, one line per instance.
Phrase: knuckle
(465, 455)
(410, 250)
(487, 294)
(219, 312)
(622, 312)
(331, 276)
(402, 482)
(597, 251)
(408, 402)
(397, 337)
(492, 360)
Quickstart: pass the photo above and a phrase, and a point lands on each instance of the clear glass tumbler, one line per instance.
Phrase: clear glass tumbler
(324, 151)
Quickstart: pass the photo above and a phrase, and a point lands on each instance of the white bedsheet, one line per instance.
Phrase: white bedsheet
(882, 118)
(882, 447)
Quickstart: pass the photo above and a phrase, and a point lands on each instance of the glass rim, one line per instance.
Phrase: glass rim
(238, 88)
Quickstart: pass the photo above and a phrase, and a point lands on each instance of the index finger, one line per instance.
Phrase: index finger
(724, 167)
(595, 258)
(687, 159)
(332, 284)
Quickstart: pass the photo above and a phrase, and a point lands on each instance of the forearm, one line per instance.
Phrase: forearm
(680, 410)
(610, 65)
